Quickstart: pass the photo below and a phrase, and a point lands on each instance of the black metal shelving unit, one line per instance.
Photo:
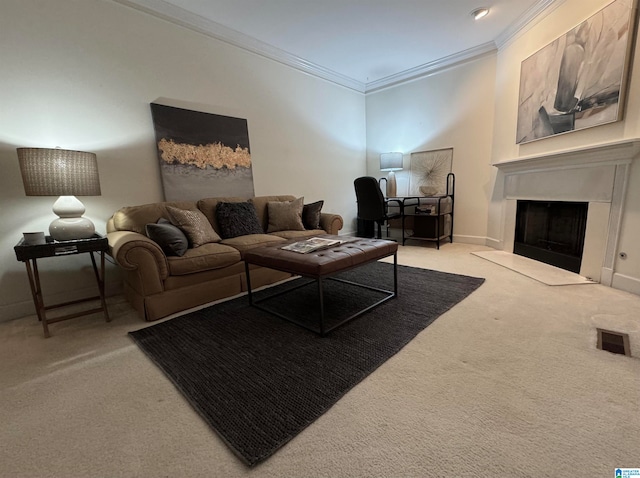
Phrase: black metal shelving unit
(432, 219)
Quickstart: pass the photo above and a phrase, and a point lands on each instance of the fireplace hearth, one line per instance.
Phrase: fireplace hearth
(552, 232)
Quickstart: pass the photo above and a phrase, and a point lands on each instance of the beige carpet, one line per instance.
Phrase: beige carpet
(507, 383)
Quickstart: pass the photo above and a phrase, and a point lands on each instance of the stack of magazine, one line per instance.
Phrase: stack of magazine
(428, 209)
(313, 244)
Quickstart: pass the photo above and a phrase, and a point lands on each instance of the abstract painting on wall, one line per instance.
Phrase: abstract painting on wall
(429, 170)
(578, 80)
(202, 154)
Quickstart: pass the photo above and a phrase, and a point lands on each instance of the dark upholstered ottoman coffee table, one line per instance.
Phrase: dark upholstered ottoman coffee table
(321, 265)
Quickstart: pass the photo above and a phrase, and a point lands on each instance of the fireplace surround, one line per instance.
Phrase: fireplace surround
(596, 175)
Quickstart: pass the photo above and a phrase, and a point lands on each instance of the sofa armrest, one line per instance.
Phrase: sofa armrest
(142, 257)
(331, 223)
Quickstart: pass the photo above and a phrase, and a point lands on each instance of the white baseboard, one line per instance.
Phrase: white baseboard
(606, 276)
(626, 283)
(16, 310)
(479, 240)
(494, 243)
(25, 308)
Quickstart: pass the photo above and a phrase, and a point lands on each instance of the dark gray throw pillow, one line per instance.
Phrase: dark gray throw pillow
(237, 219)
(311, 215)
(171, 239)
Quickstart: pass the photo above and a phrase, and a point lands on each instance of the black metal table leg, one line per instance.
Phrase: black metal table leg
(322, 329)
(395, 274)
(249, 294)
(321, 297)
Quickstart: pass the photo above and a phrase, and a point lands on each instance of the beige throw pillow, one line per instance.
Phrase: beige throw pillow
(285, 215)
(194, 224)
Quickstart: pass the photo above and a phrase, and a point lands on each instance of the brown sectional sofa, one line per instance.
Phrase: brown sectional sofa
(158, 285)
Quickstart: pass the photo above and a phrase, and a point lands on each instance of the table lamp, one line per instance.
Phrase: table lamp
(391, 162)
(64, 173)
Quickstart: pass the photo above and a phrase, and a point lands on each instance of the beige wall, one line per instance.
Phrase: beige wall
(80, 74)
(450, 109)
(569, 14)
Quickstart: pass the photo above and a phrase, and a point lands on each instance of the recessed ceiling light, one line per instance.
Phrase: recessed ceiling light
(478, 13)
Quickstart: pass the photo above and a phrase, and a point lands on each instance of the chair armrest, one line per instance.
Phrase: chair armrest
(331, 223)
(393, 200)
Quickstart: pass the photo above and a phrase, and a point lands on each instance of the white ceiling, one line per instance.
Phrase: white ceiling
(362, 44)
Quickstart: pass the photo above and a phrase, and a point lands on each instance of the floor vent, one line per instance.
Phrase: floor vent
(614, 342)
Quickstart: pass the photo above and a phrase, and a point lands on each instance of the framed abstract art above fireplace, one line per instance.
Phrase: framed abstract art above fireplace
(580, 79)
(202, 154)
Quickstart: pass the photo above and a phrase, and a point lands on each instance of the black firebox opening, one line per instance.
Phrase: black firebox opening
(551, 232)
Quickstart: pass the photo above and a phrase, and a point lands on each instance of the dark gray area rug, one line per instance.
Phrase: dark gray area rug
(258, 380)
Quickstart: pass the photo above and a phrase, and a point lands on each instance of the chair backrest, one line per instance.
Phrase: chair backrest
(371, 205)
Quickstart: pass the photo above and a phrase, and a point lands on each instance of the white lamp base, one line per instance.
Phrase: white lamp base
(391, 185)
(70, 225)
(69, 228)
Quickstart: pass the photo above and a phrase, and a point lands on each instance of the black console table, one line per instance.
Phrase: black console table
(28, 253)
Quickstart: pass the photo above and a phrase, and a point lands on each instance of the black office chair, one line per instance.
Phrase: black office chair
(371, 203)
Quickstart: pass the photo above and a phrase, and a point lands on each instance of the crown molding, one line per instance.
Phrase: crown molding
(186, 19)
(178, 16)
(432, 67)
(527, 20)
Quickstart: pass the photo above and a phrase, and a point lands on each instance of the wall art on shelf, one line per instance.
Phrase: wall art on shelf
(429, 171)
(579, 80)
(202, 154)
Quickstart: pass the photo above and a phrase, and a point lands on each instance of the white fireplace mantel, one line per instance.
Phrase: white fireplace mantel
(619, 152)
(595, 174)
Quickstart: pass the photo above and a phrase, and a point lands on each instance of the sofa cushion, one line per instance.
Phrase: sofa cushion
(300, 234)
(135, 218)
(237, 219)
(285, 215)
(209, 205)
(223, 278)
(311, 215)
(194, 224)
(244, 243)
(209, 256)
(171, 240)
(260, 202)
